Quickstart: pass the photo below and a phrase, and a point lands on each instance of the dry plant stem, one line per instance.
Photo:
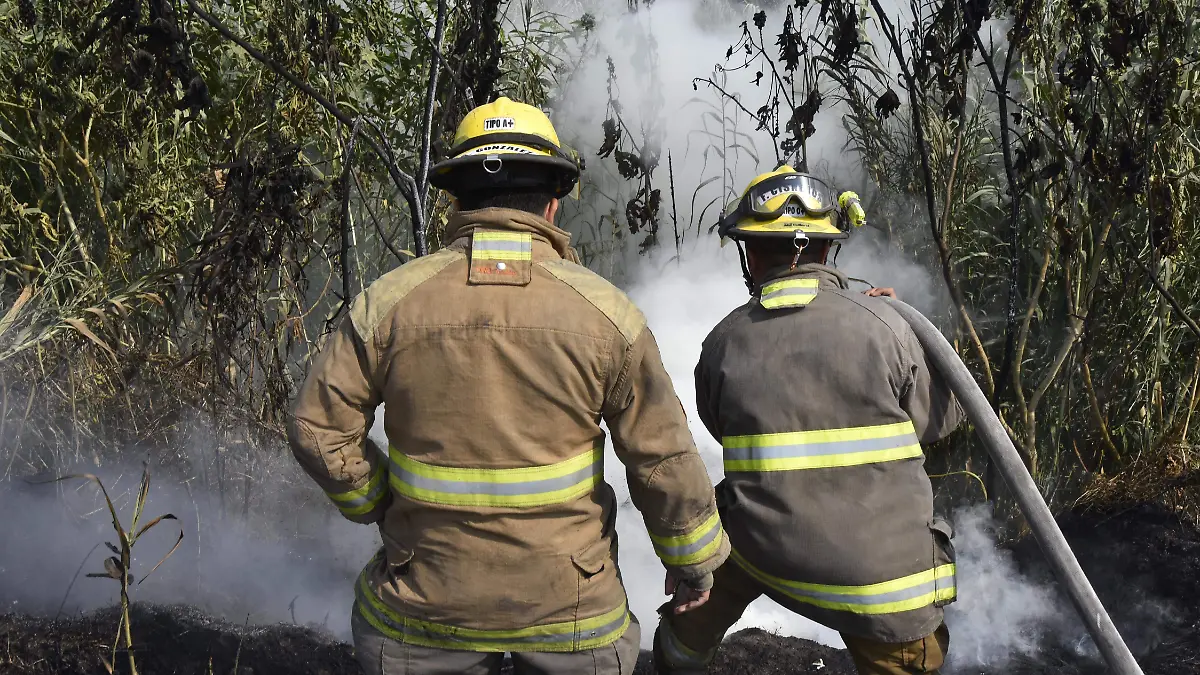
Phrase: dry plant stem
(1097, 413)
(405, 183)
(1076, 317)
(20, 433)
(83, 160)
(956, 295)
(1023, 335)
(1000, 83)
(730, 97)
(1162, 290)
(947, 270)
(83, 250)
(71, 585)
(1187, 420)
(387, 240)
(674, 212)
(347, 257)
(439, 29)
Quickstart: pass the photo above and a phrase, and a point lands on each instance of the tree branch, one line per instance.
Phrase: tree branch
(404, 182)
(1000, 84)
(347, 257)
(439, 28)
(1162, 290)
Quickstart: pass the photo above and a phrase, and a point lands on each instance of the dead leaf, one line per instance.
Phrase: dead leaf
(10, 316)
(83, 330)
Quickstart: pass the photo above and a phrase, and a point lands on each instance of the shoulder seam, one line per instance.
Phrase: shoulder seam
(630, 324)
(853, 300)
(366, 315)
(841, 293)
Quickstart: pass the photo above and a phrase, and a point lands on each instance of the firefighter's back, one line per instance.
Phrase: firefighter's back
(493, 391)
(825, 482)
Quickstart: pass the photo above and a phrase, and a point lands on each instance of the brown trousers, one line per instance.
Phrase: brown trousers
(381, 655)
(686, 643)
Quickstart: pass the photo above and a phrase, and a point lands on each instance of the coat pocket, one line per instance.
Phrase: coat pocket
(592, 559)
(945, 584)
(398, 557)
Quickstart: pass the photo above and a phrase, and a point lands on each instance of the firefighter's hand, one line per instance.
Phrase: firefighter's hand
(883, 292)
(686, 597)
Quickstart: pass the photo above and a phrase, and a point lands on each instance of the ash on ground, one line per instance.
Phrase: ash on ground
(1144, 562)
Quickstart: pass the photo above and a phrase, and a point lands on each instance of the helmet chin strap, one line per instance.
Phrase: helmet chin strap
(745, 267)
(837, 248)
(800, 241)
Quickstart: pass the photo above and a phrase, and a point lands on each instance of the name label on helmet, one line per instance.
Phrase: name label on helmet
(813, 199)
(503, 148)
(499, 124)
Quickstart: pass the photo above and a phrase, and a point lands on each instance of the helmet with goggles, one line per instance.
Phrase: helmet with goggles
(787, 204)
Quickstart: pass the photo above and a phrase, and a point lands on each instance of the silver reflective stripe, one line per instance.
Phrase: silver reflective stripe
(368, 498)
(483, 246)
(587, 631)
(688, 549)
(818, 449)
(788, 297)
(490, 488)
(876, 599)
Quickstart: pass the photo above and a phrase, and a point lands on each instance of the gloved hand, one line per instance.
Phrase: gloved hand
(851, 205)
(689, 593)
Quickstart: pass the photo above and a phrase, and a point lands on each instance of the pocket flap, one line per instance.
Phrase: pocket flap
(397, 555)
(591, 560)
(943, 526)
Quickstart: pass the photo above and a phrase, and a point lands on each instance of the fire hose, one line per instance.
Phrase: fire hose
(1005, 458)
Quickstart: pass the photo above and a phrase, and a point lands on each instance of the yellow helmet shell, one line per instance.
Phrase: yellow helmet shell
(505, 117)
(506, 133)
(822, 227)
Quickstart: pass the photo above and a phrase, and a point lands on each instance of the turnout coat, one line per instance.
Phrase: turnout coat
(497, 359)
(822, 398)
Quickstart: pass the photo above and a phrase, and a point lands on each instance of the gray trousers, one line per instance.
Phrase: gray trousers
(381, 655)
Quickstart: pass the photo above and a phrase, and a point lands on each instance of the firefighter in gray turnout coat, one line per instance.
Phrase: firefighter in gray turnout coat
(821, 398)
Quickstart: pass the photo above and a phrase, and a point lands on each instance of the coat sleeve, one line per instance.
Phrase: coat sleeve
(667, 478)
(328, 428)
(927, 399)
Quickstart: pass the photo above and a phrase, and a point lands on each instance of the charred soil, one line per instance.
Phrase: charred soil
(1144, 562)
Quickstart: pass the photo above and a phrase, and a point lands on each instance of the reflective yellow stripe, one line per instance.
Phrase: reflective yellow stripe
(691, 548)
(487, 245)
(362, 500)
(567, 636)
(788, 293)
(898, 595)
(821, 449)
(522, 487)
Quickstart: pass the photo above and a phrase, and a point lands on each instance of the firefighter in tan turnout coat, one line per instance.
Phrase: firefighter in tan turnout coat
(821, 398)
(497, 359)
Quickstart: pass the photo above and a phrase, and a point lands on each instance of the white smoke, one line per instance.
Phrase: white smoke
(1000, 613)
(261, 543)
(685, 293)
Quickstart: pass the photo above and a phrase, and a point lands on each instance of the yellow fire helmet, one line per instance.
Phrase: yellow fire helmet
(506, 145)
(785, 203)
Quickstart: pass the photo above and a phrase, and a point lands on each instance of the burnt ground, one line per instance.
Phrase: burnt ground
(1144, 562)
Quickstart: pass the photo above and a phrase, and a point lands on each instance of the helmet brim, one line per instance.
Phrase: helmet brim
(518, 171)
(812, 228)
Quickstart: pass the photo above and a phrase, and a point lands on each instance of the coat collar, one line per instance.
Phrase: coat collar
(464, 223)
